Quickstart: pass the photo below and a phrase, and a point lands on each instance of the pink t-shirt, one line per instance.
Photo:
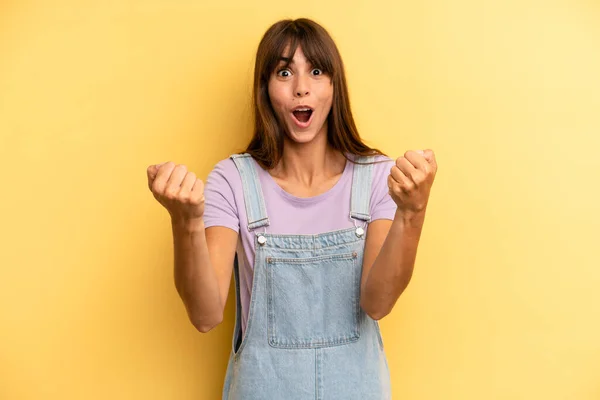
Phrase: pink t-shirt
(287, 214)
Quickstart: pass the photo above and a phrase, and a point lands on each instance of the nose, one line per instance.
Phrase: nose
(301, 88)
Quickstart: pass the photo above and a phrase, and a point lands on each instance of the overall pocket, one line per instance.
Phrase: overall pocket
(313, 302)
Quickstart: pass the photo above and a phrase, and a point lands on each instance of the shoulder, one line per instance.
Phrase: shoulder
(224, 177)
(382, 205)
(225, 167)
(221, 193)
(381, 169)
(382, 160)
(225, 170)
(381, 165)
(378, 158)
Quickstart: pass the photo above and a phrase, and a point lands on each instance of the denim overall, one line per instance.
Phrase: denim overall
(307, 336)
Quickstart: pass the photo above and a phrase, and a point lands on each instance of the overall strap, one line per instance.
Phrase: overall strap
(361, 189)
(253, 195)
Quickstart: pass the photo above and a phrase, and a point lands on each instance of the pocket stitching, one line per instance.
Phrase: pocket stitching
(323, 342)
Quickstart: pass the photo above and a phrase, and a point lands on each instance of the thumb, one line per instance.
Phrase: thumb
(153, 170)
(429, 156)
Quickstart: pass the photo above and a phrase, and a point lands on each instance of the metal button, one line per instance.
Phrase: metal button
(262, 240)
(360, 231)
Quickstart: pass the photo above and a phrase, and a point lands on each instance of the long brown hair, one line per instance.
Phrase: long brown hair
(266, 145)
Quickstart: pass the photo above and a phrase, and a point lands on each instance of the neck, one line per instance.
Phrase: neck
(308, 163)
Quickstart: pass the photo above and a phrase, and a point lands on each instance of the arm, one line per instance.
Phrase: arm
(391, 246)
(202, 270)
(203, 257)
(390, 253)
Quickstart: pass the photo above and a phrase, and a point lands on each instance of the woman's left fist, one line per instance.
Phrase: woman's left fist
(411, 178)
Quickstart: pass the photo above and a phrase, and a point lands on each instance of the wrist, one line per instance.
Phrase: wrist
(409, 218)
(188, 224)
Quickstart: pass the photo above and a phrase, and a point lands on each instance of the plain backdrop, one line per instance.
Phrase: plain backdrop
(504, 301)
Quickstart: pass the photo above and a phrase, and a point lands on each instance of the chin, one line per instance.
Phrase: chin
(302, 137)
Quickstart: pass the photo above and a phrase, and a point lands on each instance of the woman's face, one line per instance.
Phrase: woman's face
(301, 96)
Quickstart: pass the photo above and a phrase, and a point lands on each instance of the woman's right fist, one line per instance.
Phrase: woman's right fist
(177, 189)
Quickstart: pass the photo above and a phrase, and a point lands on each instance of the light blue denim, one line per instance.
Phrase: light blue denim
(307, 336)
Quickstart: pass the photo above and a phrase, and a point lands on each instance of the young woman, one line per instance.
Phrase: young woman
(289, 218)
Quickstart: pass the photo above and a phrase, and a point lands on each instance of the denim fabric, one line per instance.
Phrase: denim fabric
(307, 336)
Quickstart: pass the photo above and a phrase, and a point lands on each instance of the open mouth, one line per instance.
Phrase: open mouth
(303, 114)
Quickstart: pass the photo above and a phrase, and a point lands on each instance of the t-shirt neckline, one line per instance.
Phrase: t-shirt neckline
(306, 200)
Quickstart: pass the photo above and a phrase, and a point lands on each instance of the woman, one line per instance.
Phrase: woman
(289, 217)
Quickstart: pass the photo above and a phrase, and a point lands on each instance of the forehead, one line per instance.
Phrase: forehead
(305, 51)
(297, 58)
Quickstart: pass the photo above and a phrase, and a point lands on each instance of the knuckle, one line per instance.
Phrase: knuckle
(196, 201)
(170, 194)
(156, 188)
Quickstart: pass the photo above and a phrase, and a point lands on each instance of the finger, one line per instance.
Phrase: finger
(153, 170)
(417, 159)
(404, 182)
(187, 184)
(392, 184)
(395, 189)
(430, 157)
(407, 168)
(197, 194)
(173, 185)
(162, 176)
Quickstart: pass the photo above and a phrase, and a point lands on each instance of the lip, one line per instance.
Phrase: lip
(301, 106)
(302, 125)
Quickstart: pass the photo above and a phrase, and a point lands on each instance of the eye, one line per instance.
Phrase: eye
(317, 71)
(284, 73)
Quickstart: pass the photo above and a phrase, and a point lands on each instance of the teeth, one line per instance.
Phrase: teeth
(302, 109)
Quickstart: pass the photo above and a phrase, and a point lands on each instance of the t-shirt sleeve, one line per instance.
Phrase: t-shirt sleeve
(219, 201)
(382, 205)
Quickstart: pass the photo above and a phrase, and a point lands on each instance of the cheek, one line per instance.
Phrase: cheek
(277, 96)
(326, 96)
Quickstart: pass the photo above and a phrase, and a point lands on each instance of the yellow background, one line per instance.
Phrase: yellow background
(504, 302)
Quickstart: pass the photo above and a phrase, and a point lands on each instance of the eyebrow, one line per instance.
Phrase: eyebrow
(289, 61)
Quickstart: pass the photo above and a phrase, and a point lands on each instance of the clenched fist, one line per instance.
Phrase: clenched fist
(178, 190)
(411, 178)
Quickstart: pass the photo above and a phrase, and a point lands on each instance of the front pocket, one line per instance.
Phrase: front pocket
(313, 302)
